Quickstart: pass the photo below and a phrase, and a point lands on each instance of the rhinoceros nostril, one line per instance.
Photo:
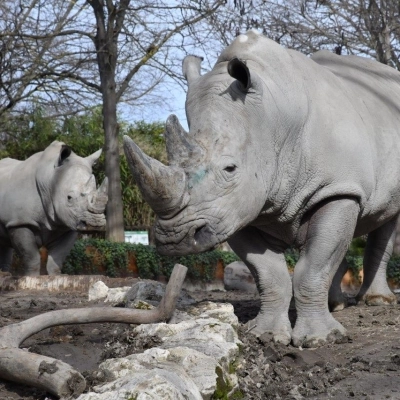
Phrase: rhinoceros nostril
(202, 235)
(197, 233)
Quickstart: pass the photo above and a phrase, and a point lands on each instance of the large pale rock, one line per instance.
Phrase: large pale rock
(195, 355)
(224, 312)
(238, 277)
(98, 290)
(154, 384)
(209, 336)
(200, 367)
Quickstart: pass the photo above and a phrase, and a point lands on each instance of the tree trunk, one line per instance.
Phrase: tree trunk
(115, 220)
(107, 53)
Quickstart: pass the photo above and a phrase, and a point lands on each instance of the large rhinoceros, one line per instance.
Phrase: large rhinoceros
(44, 201)
(283, 150)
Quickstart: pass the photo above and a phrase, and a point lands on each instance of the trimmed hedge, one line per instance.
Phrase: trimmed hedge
(114, 258)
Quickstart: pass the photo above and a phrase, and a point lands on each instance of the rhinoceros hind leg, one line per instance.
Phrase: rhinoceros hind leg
(330, 229)
(24, 243)
(6, 254)
(375, 290)
(58, 251)
(336, 299)
(273, 282)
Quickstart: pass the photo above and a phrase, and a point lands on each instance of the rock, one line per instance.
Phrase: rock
(117, 295)
(98, 291)
(152, 292)
(152, 384)
(224, 312)
(200, 367)
(193, 361)
(238, 277)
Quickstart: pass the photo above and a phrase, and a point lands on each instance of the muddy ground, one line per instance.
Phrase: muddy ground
(367, 367)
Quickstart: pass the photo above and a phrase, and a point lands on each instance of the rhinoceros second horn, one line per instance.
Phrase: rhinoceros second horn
(99, 199)
(179, 144)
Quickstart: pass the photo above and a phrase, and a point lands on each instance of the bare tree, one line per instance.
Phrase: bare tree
(74, 54)
(363, 27)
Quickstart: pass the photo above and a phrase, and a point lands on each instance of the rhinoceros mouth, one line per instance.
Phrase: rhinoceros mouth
(91, 222)
(198, 238)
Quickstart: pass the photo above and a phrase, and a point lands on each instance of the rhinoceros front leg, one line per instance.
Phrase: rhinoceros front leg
(273, 282)
(6, 254)
(329, 233)
(375, 290)
(58, 251)
(24, 243)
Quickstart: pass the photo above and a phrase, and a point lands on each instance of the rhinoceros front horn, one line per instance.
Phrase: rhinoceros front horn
(164, 188)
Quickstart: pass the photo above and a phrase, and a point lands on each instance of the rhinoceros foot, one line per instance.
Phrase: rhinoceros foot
(278, 328)
(378, 299)
(340, 302)
(337, 305)
(337, 301)
(317, 330)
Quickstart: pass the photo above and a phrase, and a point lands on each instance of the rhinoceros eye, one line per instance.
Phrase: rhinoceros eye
(230, 168)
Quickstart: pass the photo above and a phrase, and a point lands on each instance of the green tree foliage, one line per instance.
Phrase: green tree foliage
(150, 139)
(33, 132)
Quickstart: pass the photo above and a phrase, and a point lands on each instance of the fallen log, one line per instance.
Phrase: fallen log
(55, 376)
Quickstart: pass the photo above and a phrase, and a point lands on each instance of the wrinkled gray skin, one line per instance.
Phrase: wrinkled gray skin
(44, 201)
(283, 150)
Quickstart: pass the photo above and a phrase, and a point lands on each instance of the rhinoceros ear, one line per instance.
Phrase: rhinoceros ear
(64, 154)
(238, 69)
(191, 67)
(94, 157)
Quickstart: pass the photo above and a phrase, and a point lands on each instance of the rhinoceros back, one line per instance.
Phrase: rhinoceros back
(7, 165)
(18, 193)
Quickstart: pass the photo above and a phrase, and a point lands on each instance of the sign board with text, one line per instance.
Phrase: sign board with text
(137, 237)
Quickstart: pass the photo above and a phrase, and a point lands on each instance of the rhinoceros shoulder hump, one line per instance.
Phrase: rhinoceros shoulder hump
(352, 66)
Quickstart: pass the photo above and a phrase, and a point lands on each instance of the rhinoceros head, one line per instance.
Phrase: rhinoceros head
(68, 190)
(216, 181)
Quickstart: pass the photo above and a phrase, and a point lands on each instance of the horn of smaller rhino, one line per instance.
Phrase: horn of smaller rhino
(164, 188)
(99, 200)
(191, 67)
(178, 143)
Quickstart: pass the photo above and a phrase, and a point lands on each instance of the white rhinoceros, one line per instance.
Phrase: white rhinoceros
(283, 150)
(44, 201)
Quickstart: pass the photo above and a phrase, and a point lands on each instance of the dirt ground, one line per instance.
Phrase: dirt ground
(367, 367)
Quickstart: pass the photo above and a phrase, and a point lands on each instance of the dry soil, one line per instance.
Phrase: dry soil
(366, 367)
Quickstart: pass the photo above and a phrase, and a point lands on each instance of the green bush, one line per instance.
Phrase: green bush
(114, 257)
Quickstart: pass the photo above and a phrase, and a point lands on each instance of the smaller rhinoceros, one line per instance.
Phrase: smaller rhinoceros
(45, 201)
